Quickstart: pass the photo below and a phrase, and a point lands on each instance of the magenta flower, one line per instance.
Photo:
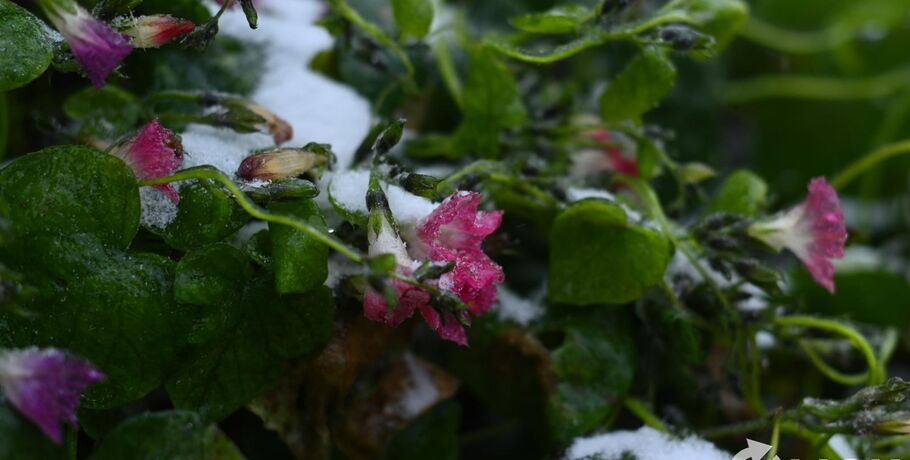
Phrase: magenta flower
(45, 386)
(453, 232)
(813, 230)
(156, 30)
(153, 152)
(97, 48)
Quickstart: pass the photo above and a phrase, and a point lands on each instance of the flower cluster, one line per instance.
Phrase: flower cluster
(452, 233)
(45, 386)
(814, 231)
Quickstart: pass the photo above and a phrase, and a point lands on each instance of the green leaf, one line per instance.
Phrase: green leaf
(436, 432)
(595, 366)
(557, 20)
(68, 190)
(26, 48)
(544, 53)
(639, 87)
(743, 192)
(598, 256)
(106, 113)
(171, 435)
(20, 439)
(265, 330)
(492, 104)
(299, 261)
(211, 275)
(206, 214)
(112, 307)
(413, 17)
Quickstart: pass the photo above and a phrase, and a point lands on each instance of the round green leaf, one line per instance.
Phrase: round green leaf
(105, 113)
(26, 47)
(71, 189)
(413, 17)
(206, 214)
(557, 20)
(171, 435)
(639, 87)
(598, 256)
(299, 261)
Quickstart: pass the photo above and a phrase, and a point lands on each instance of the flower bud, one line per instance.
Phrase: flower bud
(96, 47)
(283, 163)
(155, 30)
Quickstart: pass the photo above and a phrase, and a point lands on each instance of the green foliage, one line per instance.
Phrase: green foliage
(299, 261)
(413, 17)
(598, 256)
(206, 214)
(491, 104)
(557, 20)
(436, 432)
(639, 87)
(172, 435)
(21, 440)
(105, 114)
(26, 48)
(71, 190)
(742, 192)
(243, 340)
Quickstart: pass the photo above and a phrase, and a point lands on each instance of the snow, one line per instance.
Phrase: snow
(512, 307)
(680, 265)
(646, 444)
(348, 190)
(421, 393)
(157, 210)
(319, 109)
(574, 194)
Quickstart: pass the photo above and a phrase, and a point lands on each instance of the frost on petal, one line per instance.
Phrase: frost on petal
(446, 326)
(45, 386)
(814, 231)
(409, 298)
(456, 223)
(155, 30)
(153, 152)
(96, 47)
(473, 280)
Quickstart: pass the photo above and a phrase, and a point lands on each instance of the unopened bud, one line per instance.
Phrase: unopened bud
(283, 163)
(154, 30)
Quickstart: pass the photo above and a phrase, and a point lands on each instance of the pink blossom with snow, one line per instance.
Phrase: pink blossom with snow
(453, 232)
(814, 231)
(45, 386)
(97, 47)
(153, 152)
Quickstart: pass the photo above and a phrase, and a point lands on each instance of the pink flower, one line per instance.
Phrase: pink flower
(45, 386)
(453, 232)
(616, 159)
(156, 30)
(97, 48)
(813, 230)
(153, 152)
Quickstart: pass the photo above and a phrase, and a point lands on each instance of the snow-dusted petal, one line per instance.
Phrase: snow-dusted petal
(153, 31)
(45, 386)
(153, 152)
(97, 47)
(814, 231)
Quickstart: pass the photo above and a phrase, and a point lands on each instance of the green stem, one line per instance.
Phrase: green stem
(817, 88)
(869, 161)
(789, 41)
(644, 414)
(775, 437)
(4, 124)
(830, 372)
(254, 210)
(874, 373)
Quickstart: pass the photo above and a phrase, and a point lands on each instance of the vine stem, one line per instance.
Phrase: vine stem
(875, 374)
(816, 88)
(868, 161)
(254, 210)
(790, 41)
(644, 414)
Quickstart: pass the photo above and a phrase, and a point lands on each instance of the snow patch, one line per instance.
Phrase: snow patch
(349, 191)
(517, 309)
(319, 109)
(645, 444)
(421, 393)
